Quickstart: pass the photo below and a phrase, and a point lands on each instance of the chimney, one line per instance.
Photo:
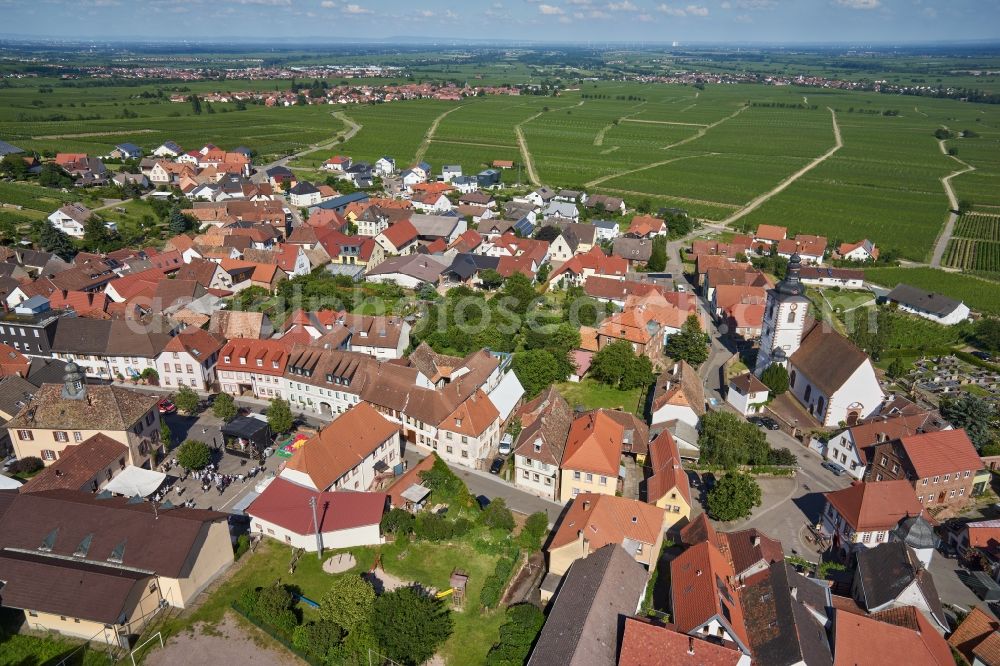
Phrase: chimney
(586, 505)
(690, 645)
(698, 572)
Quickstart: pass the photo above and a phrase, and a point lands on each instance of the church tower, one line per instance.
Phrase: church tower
(784, 319)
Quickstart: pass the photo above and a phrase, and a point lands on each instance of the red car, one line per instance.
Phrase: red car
(166, 407)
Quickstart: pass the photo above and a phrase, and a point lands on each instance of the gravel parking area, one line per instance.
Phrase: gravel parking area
(225, 643)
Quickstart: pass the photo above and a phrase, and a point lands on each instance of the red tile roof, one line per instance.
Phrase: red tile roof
(648, 644)
(701, 590)
(401, 234)
(605, 519)
(975, 628)
(771, 232)
(665, 461)
(868, 507)
(343, 445)
(271, 354)
(286, 504)
(943, 452)
(594, 445)
(853, 642)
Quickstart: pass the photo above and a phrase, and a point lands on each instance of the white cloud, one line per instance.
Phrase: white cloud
(583, 3)
(551, 10)
(271, 3)
(599, 14)
(565, 19)
(860, 4)
(356, 10)
(624, 6)
(751, 5)
(425, 13)
(328, 4)
(646, 18)
(690, 10)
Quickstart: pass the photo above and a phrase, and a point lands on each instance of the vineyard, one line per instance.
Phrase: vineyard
(975, 245)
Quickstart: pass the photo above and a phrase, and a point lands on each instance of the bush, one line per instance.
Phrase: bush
(497, 516)
(27, 465)
(433, 527)
(242, 545)
(534, 531)
(781, 456)
(733, 497)
(272, 606)
(517, 635)
(496, 582)
(461, 527)
(318, 640)
(410, 626)
(397, 521)
(775, 377)
(186, 400)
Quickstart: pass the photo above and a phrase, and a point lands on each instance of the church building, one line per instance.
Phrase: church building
(833, 379)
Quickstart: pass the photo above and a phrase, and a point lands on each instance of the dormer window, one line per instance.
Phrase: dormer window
(243, 360)
(260, 363)
(227, 359)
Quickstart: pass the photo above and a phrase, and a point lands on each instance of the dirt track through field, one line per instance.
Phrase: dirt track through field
(662, 122)
(949, 226)
(529, 164)
(697, 135)
(599, 139)
(703, 202)
(762, 199)
(429, 136)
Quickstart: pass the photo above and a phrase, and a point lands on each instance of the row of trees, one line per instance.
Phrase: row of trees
(406, 625)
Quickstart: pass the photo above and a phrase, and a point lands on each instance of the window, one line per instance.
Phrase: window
(885, 461)
(878, 477)
(924, 482)
(946, 477)
(809, 392)
(590, 478)
(895, 468)
(524, 473)
(465, 454)
(77, 436)
(920, 499)
(576, 476)
(604, 480)
(449, 449)
(966, 474)
(961, 491)
(952, 494)
(48, 454)
(791, 317)
(25, 435)
(936, 479)
(867, 537)
(177, 368)
(548, 481)
(61, 436)
(880, 537)
(791, 379)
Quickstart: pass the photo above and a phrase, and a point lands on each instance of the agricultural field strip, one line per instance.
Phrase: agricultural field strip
(756, 203)
(599, 139)
(422, 150)
(942, 242)
(90, 134)
(661, 122)
(529, 164)
(673, 196)
(470, 143)
(697, 135)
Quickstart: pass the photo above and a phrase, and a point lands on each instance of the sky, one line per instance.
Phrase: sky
(582, 21)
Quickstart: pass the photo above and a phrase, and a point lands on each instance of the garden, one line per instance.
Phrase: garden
(394, 598)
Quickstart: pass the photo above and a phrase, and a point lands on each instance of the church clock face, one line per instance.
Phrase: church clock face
(794, 307)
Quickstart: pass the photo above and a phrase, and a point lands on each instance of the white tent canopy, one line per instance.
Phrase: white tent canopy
(133, 481)
(7, 483)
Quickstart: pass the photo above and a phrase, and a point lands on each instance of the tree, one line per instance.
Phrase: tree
(658, 254)
(733, 497)
(224, 407)
(318, 640)
(536, 369)
(52, 175)
(618, 366)
(896, 369)
(14, 166)
(548, 233)
(491, 279)
(987, 333)
(542, 274)
(496, 515)
(279, 416)
(519, 291)
(974, 414)
(517, 635)
(349, 603)
(56, 241)
(775, 377)
(195, 104)
(410, 625)
(166, 436)
(194, 455)
(964, 206)
(186, 400)
(95, 234)
(178, 221)
(729, 441)
(690, 344)
(397, 521)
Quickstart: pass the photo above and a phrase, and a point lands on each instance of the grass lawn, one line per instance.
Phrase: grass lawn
(592, 394)
(19, 650)
(427, 563)
(431, 564)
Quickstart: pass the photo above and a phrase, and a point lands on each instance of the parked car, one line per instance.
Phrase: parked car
(764, 422)
(166, 407)
(483, 501)
(496, 466)
(834, 467)
(506, 444)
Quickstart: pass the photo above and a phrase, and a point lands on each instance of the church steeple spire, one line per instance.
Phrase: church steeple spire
(74, 387)
(792, 284)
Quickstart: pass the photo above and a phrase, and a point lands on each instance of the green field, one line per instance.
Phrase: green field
(975, 245)
(709, 151)
(977, 293)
